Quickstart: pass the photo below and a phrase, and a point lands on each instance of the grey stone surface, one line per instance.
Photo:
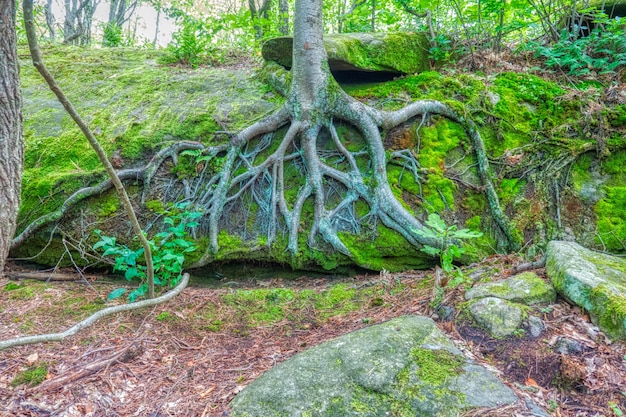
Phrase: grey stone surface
(592, 280)
(567, 346)
(499, 317)
(405, 366)
(402, 52)
(535, 326)
(526, 288)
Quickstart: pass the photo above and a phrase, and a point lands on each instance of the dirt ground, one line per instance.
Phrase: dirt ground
(192, 355)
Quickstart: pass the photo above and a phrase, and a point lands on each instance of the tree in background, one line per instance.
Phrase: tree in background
(78, 21)
(11, 143)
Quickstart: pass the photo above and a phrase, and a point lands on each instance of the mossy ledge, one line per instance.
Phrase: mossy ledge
(138, 108)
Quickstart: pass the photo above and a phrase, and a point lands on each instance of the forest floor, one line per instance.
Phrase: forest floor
(192, 355)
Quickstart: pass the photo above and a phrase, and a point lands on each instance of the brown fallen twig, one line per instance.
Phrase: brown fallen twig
(125, 355)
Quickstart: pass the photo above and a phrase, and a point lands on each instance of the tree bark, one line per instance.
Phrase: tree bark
(283, 9)
(50, 21)
(11, 142)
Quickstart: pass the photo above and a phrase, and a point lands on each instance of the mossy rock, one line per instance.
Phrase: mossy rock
(592, 280)
(526, 288)
(499, 317)
(401, 52)
(405, 366)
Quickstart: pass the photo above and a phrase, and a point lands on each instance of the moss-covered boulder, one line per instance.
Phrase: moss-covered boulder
(526, 288)
(405, 366)
(499, 317)
(592, 280)
(402, 52)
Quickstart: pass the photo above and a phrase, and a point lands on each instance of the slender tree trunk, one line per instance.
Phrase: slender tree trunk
(156, 30)
(50, 21)
(283, 7)
(68, 23)
(11, 143)
(373, 15)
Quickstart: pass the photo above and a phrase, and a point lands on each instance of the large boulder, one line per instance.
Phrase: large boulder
(405, 366)
(592, 280)
(402, 52)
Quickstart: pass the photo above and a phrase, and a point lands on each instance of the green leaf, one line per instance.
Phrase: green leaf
(138, 292)
(111, 251)
(436, 223)
(430, 250)
(466, 234)
(132, 273)
(116, 293)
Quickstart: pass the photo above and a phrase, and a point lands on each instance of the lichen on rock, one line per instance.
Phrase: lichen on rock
(595, 281)
(406, 366)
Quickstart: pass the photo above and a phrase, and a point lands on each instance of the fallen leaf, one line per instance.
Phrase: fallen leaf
(531, 383)
(32, 358)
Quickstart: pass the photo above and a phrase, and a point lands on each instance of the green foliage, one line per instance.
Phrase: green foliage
(112, 35)
(447, 236)
(603, 51)
(189, 44)
(11, 286)
(169, 248)
(32, 376)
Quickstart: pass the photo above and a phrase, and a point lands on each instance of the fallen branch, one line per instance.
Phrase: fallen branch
(44, 276)
(125, 355)
(55, 337)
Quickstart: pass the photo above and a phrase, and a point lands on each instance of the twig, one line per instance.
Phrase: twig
(125, 355)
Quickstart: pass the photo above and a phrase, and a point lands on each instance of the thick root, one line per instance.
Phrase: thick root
(281, 176)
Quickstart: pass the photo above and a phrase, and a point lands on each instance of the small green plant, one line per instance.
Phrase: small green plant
(519, 333)
(34, 375)
(189, 44)
(447, 248)
(616, 409)
(552, 405)
(168, 253)
(112, 35)
(165, 316)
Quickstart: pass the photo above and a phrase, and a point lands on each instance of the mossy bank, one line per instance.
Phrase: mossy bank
(556, 157)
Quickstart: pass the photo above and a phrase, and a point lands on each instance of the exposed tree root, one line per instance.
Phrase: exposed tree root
(55, 337)
(333, 177)
(290, 172)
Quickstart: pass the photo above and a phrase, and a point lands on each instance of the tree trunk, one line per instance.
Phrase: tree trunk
(283, 9)
(50, 20)
(156, 30)
(310, 62)
(11, 144)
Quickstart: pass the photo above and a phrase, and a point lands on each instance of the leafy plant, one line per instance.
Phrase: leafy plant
(603, 51)
(168, 253)
(447, 237)
(189, 43)
(112, 35)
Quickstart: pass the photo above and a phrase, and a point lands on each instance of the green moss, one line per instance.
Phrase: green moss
(610, 310)
(32, 376)
(436, 366)
(108, 205)
(12, 286)
(510, 189)
(166, 316)
(611, 218)
(384, 249)
(27, 291)
(155, 206)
